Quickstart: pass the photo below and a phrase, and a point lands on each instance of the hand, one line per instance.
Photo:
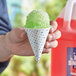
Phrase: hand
(17, 41)
(52, 36)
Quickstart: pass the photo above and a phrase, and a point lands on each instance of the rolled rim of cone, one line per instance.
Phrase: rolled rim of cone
(38, 29)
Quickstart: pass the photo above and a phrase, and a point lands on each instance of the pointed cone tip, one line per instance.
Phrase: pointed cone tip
(37, 60)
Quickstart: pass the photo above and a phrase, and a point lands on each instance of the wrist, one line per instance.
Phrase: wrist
(5, 52)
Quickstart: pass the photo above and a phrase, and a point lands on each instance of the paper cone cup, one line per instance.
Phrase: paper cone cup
(37, 39)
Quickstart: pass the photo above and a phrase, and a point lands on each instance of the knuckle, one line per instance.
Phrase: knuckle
(55, 44)
(56, 25)
(22, 29)
(60, 33)
(49, 37)
(19, 29)
(46, 45)
(48, 50)
(16, 29)
(56, 35)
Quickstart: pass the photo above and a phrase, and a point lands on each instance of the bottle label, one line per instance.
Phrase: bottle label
(71, 61)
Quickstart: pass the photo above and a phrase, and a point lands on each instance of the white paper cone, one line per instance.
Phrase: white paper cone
(37, 38)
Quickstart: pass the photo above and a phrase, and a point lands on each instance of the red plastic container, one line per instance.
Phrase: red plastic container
(64, 56)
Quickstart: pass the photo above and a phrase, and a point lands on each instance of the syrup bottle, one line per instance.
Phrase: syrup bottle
(67, 43)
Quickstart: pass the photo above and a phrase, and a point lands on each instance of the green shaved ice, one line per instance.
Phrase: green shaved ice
(37, 19)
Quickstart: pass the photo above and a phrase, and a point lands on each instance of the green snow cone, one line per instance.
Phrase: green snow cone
(37, 28)
(37, 19)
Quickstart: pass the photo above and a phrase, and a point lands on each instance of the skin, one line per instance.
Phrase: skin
(16, 42)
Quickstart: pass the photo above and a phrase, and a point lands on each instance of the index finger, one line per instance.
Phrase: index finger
(54, 26)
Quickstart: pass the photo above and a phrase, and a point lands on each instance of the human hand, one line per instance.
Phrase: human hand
(53, 35)
(17, 41)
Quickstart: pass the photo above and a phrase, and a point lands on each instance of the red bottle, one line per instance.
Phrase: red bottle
(67, 43)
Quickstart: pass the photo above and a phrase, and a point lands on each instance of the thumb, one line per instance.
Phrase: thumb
(18, 35)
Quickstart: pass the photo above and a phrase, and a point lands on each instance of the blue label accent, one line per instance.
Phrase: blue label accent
(71, 61)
